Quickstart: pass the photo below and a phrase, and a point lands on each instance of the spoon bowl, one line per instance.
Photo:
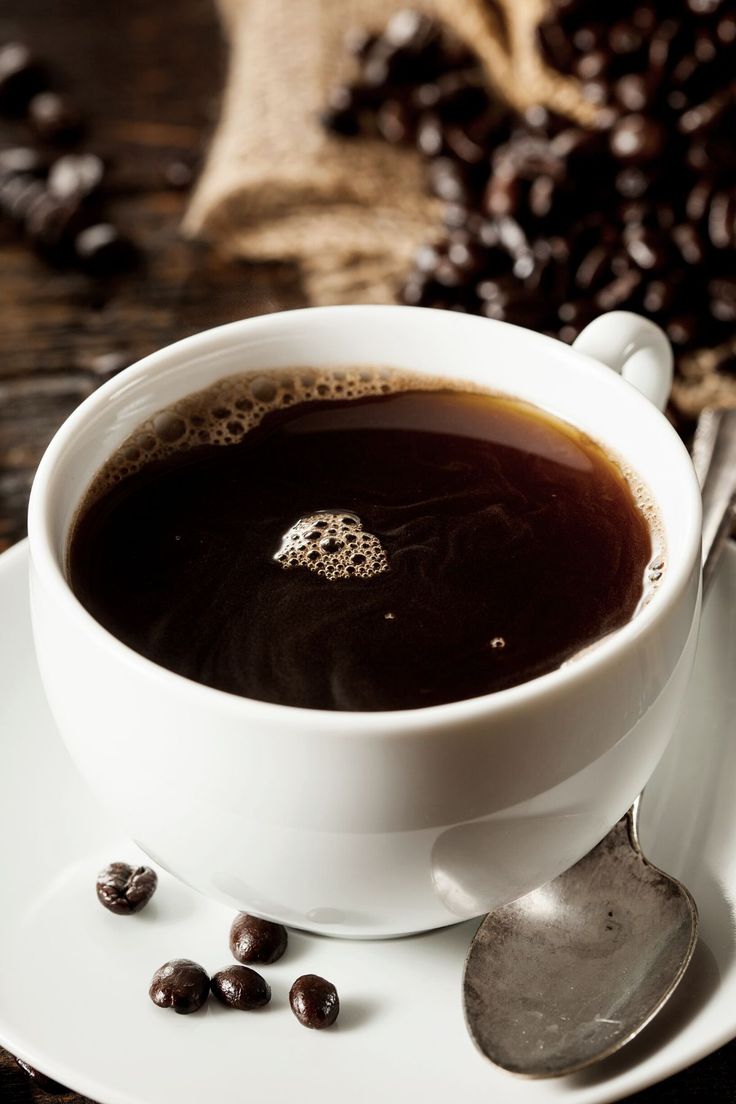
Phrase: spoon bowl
(551, 984)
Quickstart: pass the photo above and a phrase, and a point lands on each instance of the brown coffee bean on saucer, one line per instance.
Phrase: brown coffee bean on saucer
(180, 984)
(54, 118)
(314, 1001)
(240, 987)
(256, 940)
(41, 1081)
(124, 889)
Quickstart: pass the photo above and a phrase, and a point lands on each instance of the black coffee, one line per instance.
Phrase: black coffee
(359, 541)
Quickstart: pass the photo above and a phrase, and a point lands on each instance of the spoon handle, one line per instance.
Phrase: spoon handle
(714, 456)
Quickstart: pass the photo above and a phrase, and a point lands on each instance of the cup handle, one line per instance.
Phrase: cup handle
(635, 348)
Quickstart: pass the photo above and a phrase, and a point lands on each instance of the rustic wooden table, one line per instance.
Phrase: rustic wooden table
(147, 74)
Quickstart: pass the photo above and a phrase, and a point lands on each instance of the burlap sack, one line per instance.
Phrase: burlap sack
(277, 186)
(352, 213)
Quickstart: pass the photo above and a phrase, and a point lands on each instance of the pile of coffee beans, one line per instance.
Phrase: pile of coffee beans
(185, 986)
(548, 224)
(54, 201)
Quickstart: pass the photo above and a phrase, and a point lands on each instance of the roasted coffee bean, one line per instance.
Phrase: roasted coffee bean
(593, 271)
(590, 37)
(466, 256)
(726, 30)
(512, 237)
(427, 258)
(702, 117)
(647, 247)
(314, 1001)
(125, 889)
(663, 296)
(256, 940)
(633, 91)
(103, 251)
(447, 180)
(698, 201)
(17, 160)
(625, 40)
(76, 176)
(54, 118)
(620, 294)
(19, 195)
(637, 138)
(690, 244)
(395, 122)
(180, 984)
(550, 276)
(52, 225)
(722, 293)
(430, 139)
(341, 113)
(178, 174)
(408, 29)
(41, 1081)
(632, 182)
(505, 192)
(358, 41)
(683, 330)
(539, 118)
(240, 987)
(447, 275)
(461, 143)
(723, 310)
(416, 291)
(591, 66)
(21, 77)
(722, 220)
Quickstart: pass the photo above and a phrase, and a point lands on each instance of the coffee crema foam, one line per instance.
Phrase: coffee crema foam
(224, 412)
(334, 545)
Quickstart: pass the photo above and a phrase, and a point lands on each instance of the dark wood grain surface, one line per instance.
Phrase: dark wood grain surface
(147, 74)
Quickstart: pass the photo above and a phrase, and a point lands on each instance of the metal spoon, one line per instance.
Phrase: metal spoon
(568, 974)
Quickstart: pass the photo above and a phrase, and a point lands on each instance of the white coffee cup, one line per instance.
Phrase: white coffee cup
(377, 824)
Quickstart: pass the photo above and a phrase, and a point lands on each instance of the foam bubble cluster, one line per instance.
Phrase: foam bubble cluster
(332, 544)
(224, 412)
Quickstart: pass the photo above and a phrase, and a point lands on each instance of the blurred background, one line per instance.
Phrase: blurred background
(169, 167)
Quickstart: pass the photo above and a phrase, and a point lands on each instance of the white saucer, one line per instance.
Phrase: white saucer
(74, 978)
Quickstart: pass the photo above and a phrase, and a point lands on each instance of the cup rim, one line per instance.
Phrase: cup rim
(608, 649)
